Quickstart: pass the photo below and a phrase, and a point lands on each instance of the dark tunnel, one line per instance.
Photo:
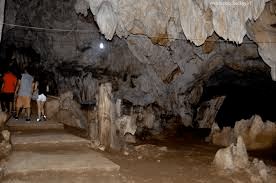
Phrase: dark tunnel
(247, 94)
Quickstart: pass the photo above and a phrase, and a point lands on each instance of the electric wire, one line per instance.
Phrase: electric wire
(91, 31)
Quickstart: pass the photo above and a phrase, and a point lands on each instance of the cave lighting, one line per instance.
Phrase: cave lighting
(101, 46)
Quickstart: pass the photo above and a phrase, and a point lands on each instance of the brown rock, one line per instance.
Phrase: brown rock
(3, 118)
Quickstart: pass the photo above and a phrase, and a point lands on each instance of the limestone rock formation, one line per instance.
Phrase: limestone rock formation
(65, 110)
(256, 133)
(154, 57)
(234, 159)
(105, 113)
(207, 112)
(262, 31)
(52, 107)
(126, 124)
(152, 18)
(163, 21)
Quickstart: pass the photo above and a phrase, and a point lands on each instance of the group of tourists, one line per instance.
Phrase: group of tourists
(22, 91)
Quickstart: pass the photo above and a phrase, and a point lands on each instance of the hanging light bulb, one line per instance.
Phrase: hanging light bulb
(101, 46)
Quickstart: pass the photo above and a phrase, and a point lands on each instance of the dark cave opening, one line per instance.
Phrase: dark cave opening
(247, 93)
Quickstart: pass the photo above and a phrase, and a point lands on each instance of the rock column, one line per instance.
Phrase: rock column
(105, 114)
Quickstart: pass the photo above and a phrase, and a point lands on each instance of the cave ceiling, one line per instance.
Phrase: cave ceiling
(154, 51)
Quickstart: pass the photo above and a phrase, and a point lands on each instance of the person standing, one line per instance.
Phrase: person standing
(24, 91)
(43, 89)
(7, 90)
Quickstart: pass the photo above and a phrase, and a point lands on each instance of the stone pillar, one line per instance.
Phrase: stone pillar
(105, 114)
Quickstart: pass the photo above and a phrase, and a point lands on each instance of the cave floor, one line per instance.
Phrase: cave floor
(187, 159)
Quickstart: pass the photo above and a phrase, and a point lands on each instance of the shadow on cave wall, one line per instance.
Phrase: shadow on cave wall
(247, 93)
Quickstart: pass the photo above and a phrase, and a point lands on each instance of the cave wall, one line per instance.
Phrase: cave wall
(2, 10)
(170, 73)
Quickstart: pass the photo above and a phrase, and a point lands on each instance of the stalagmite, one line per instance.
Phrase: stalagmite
(105, 114)
(255, 133)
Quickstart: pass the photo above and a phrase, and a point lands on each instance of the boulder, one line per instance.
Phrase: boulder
(67, 111)
(224, 158)
(52, 107)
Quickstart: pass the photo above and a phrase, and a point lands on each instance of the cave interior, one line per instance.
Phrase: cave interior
(156, 70)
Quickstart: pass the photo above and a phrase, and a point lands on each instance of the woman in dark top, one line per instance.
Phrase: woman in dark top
(43, 89)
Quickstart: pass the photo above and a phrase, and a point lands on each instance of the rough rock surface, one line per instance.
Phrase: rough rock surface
(234, 158)
(65, 110)
(5, 146)
(256, 133)
(262, 31)
(207, 111)
(152, 18)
